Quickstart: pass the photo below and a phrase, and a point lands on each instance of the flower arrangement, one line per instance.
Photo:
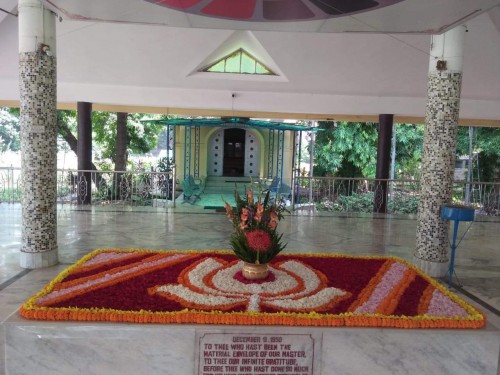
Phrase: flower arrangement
(255, 239)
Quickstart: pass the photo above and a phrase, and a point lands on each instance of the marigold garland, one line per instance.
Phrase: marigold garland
(186, 261)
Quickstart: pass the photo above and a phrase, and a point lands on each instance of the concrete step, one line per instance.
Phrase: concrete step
(226, 184)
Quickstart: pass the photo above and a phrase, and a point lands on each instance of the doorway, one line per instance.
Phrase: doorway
(234, 152)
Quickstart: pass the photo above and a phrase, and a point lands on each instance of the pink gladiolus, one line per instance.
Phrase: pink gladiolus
(244, 214)
(229, 211)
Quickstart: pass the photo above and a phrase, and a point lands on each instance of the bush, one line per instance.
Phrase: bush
(363, 202)
(403, 204)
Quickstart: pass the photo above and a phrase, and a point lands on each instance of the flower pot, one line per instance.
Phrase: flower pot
(252, 271)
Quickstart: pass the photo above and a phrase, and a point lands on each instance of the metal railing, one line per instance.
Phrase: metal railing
(366, 195)
(324, 193)
(77, 187)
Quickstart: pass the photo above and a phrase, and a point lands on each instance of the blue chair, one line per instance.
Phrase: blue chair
(274, 187)
(191, 189)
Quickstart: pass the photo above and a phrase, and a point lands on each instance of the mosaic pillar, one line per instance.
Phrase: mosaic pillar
(438, 153)
(37, 81)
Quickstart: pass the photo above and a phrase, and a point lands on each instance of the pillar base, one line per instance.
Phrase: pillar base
(433, 269)
(39, 260)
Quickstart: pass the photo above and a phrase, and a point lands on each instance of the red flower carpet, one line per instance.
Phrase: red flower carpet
(206, 287)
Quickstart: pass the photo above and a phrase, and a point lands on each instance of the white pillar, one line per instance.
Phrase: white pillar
(37, 81)
(438, 153)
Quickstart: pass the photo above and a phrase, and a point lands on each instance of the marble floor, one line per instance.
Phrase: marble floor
(83, 230)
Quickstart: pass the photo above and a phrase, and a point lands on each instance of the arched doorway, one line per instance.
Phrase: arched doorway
(234, 152)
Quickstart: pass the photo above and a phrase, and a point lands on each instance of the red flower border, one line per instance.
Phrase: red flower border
(385, 315)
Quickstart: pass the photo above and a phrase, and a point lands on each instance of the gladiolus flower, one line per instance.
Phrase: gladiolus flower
(229, 211)
(259, 240)
(274, 216)
(244, 214)
(250, 196)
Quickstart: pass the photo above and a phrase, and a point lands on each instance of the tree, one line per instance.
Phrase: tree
(121, 143)
(409, 139)
(349, 149)
(141, 138)
(9, 130)
(346, 149)
(486, 144)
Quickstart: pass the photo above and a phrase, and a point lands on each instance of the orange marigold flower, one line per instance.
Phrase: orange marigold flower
(259, 240)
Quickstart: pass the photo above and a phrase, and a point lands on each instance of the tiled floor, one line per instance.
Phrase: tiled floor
(80, 231)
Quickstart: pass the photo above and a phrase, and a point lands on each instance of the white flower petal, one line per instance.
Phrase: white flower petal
(309, 277)
(197, 298)
(307, 303)
(224, 281)
(197, 274)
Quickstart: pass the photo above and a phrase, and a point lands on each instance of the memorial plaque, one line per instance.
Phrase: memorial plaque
(251, 353)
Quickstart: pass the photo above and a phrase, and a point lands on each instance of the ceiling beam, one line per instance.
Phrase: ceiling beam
(257, 114)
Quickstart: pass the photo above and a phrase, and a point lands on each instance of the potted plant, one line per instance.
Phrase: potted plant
(255, 239)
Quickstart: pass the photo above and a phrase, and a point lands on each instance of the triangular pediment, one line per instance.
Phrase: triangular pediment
(240, 56)
(239, 62)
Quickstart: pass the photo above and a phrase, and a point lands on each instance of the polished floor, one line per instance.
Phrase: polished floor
(187, 227)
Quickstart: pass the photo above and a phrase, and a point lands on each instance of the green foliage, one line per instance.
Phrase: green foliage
(164, 165)
(142, 137)
(66, 128)
(345, 149)
(409, 140)
(403, 204)
(349, 149)
(363, 202)
(355, 202)
(486, 145)
(10, 195)
(9, 130)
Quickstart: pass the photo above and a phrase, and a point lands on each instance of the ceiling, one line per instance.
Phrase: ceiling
(139, 55)
(323, 16)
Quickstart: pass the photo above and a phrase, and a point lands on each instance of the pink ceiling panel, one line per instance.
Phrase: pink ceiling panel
(242, 9)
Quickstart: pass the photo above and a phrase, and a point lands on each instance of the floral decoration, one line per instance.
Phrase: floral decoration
(206, 287)
(255, 238)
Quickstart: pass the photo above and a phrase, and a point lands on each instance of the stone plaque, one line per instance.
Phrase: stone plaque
(251, 353)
